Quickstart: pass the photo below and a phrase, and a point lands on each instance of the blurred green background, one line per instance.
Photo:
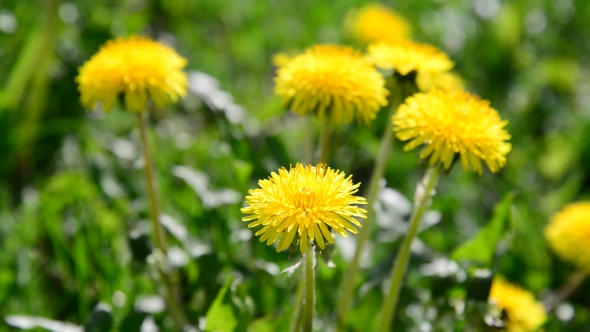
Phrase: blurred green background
(74, 235)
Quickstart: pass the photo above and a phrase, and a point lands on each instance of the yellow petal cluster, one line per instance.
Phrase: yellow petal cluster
(568, 234)
(280, 59)
(453, 122)
(303, 202)
(430, 80)
(331, 80)
(138, 68)
(376, 23)
(523, 312)
(405, 56)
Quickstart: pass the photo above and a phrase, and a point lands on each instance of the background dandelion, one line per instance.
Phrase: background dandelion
(377, 23)
(137, 68)
(333, 81)
(405, 56)
(569, 232)
(453, 122)
(521, 311)
(427, 81)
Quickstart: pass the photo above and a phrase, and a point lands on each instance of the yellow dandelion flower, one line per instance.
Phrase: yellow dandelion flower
(406, 56)
(280, 59)
(568, 234)
(523, 312)
(451, 122)
(332, 79)
(302, 202)
(138, 68)
(427, 81)
(377, 23)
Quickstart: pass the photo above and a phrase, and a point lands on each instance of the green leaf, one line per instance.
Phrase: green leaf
(268, 325)
(222, 315)
(480, 249)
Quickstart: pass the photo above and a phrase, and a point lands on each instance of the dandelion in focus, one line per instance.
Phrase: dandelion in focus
(405, 56)
(377, 23)
(302, 202)
(450, 123)
(334, 81)
(136, 67)
(568, 234)
(522, 312)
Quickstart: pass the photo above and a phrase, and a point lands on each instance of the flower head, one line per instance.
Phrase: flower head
(377, 23)
(138, 68)
(523, 312)
(332, 79)
(303, 202)
(568, 234)
(280, 59)
(405, 56)
(451, 122)
(430, 80)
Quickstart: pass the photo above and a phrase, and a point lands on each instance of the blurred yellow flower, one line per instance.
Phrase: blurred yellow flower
(451, 122)
(332, 79)
(280, 59)
(377, 23)
(427, 81)
(568, 234)
(138, 68)
(523, 312)
(303, 201)
(405, 56)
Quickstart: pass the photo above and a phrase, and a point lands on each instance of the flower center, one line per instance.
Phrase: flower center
(305, 198)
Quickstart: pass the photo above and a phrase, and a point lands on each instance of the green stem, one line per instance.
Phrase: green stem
(296, 320)
(309, 296)
(572, 284)
(348, 284)
(422, 198)
(308, 156)
(325, 140)
(159, 236)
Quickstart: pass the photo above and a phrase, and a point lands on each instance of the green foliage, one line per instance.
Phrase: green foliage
(228, 312)
(73, 205)
(481, 248)
(100, 320)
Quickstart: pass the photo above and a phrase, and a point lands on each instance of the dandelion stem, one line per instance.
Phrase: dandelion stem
(308, 156)
(309, 296)
(325, 140)
(424, 192)
(398, 93)
(159, 236)
(573, 283)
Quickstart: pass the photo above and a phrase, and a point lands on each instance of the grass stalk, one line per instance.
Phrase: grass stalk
(424, 192)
